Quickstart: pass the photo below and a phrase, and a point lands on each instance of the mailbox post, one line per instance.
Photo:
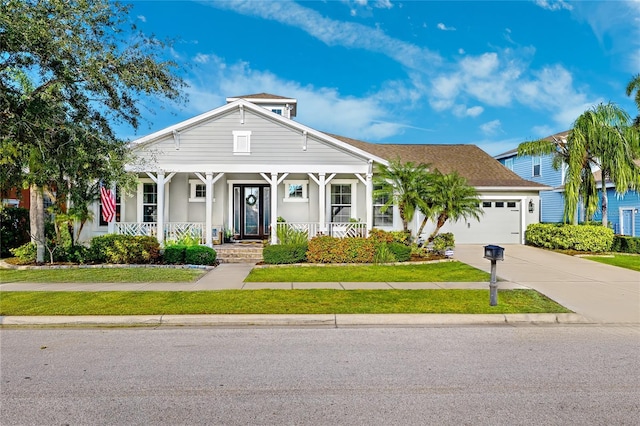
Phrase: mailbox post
(493, 253)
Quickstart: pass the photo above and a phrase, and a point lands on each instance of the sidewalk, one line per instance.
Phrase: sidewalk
(598, 293)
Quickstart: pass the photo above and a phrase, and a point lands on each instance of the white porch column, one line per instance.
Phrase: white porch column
(369, 200)
(322, 200)
(274, 208)
(208, 209)
(160, 207)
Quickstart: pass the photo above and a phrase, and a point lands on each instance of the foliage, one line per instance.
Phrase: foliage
(326, 249)
(199, 255)
(625, 244)
(381, 236)
(634, 85)
(401, 252)
(402, 184)
(443, 242)
(601, 138)
(14, 229)
(69, 72)
(587, 238)
(174, 254)
(290, 236)
(384, 254)
(449, 197)
(122, 249)
(277, 254)
(185, 240)
(26, 253)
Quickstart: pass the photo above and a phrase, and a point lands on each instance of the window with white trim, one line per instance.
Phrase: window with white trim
(296, 191)
(340, 203)
(380, 218)
(149, 202)
(508, 163)
(242, 142)
(198, 191)
(536, 166)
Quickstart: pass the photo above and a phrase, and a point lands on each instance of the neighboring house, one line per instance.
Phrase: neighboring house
(243, 165)
(622, 210)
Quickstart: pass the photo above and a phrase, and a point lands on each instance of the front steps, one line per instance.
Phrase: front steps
(239, 252)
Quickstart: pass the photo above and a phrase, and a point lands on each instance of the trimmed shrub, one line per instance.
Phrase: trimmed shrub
(26, 253)
(326, 249)
(380, 236)
(77, 254)
(384, 254)
(14, 229)
(199, 255)
(626, 244)
(174, 254)
(401, 252)
(285, 253)
(114, 248)
(569, 237)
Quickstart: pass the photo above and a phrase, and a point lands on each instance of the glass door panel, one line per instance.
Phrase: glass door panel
(251, 211)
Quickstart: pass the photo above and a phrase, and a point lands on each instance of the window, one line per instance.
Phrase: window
(380, 218)
(486, 204)
(537, 165)
(499, 204)
(197, 191)
(511, 204)
(149, 202)
(296, 191)
(117, 218)
(508, 163)
(340, 203)
(242, 142)
(277, 111)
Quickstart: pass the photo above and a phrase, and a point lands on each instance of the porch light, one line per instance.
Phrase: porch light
(532, 206)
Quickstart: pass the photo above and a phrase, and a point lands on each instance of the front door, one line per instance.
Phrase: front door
(626, 222)
(252, 211)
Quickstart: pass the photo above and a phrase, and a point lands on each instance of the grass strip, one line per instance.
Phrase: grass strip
(317, 301)
(99, 275)
(431, 272)
(623, 261)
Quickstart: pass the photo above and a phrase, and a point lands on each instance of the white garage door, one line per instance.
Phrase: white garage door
(500, 224)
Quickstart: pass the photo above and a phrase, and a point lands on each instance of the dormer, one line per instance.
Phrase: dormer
(285, 107)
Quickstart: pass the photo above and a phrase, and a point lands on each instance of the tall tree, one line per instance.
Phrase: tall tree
(449, 198)
(69, 71)
(634, 85)
(402, 184)
(601, 138)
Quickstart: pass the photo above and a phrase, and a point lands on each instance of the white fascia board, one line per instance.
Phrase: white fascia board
(258, 168)
(513, 188)
(266, 100)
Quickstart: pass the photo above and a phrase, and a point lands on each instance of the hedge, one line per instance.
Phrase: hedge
(174, 254)
(401, 251)
(626, 244)
(588, 238)
(199, 255)
(285, 253)
(114, 248)
(326, 249)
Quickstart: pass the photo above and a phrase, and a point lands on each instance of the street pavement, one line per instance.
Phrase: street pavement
(597, 293)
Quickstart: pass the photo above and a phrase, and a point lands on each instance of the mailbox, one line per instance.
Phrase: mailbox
(492, 252)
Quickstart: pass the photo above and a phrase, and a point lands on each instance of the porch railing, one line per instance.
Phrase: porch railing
(172, 230)
(339, 230)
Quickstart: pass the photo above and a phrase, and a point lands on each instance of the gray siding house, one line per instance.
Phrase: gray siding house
(242, 166)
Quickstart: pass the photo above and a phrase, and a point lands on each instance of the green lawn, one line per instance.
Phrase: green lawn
(623, 261)
(320, 301)
(99, 275)
(432, 272)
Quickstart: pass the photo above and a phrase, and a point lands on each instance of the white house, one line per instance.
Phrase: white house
(243, 165)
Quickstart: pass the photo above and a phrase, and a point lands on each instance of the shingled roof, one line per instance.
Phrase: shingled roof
(472, 163)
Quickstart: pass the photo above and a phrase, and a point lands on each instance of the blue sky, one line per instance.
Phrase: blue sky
(492, 74)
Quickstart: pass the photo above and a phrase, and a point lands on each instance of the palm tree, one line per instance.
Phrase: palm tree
(449, 197)
(402, 184)
(601, 138)
(634, 84)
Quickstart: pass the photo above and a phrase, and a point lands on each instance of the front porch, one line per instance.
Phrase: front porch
(175, 231)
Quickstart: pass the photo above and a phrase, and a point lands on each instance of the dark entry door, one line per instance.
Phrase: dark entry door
(252, 211)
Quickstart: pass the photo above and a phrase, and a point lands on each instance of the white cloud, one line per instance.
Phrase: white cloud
(462, 111)
(491, 127)
(333, 32)
(142, 18)
(553, 4)
(361, 118)
(443, 27)
(201, 58)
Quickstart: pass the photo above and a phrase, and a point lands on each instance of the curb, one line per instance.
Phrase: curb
(320, 320)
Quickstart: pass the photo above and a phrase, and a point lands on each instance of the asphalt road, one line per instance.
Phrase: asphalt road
(552, 375)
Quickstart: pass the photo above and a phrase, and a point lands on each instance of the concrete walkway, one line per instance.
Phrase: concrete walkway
(598, 293)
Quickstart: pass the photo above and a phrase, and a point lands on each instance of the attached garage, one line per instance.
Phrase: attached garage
(500, 224)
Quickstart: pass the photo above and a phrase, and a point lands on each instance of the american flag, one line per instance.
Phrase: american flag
(108, 204)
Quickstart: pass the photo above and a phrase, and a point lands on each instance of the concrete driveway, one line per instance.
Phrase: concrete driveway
(597, 291)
